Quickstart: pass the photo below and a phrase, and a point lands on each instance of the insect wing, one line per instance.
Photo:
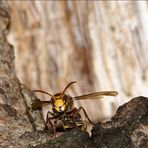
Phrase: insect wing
(37, 104)
(96, 95)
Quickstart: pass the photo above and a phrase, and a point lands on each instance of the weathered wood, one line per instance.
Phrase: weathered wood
(101, 45)
(16, 116)
(21, 127)
(128, 128)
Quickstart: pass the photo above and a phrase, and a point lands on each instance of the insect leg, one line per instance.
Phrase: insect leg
(48, 120)
(73, 114)
(81, 108)
(74, 123)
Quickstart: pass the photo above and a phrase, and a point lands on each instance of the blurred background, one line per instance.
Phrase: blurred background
(101, 45)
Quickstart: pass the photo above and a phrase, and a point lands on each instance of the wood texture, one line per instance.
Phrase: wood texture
(16, 117)
(101, 45)
(21, 127)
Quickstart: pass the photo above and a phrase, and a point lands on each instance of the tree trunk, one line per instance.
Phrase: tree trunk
(21, 127)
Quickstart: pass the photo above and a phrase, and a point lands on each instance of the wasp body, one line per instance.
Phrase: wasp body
(64, 115)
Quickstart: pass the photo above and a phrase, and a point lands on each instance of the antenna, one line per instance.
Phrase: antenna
(43, 92)
(67, 87)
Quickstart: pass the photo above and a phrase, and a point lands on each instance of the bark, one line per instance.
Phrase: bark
(128, 128)
(21, 127)
(16, 116)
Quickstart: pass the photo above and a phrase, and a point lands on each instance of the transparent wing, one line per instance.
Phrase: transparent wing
(96, 95)
(37, 104)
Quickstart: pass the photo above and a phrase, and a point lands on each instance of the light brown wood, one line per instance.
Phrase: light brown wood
(101, 45)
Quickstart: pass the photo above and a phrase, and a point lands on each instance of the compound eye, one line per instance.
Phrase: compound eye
(53, 102)
(65, 98)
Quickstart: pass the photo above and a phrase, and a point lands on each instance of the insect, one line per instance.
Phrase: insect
(64, 115)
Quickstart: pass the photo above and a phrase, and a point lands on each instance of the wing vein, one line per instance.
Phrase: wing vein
(96, 95)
